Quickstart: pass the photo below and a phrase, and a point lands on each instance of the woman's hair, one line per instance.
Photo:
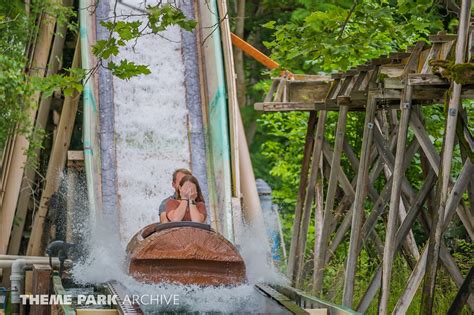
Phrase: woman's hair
(180, 170)
(192, 179)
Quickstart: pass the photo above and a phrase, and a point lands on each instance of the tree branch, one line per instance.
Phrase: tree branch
(347, 19)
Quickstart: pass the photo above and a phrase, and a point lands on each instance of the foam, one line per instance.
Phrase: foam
(151, 125)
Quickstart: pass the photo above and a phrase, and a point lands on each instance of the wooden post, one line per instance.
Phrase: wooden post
(401, 234)
(56, 163)
(318, 228)
(461, 297)
(320, 246)
(417, 274)
(445, 171)
(398, 175)
(41, 284)
(358, 207)
(41, 122)
(15, 175)
(434, 159)
(308, 149)
(310, 192)
(5, 162)
(410, 243)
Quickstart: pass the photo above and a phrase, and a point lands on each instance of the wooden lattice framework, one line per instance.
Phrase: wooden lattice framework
(390, 90)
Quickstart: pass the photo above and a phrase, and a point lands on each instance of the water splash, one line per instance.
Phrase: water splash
(106, 261)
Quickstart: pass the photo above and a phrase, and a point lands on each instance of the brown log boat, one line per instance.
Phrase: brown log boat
(184, 253)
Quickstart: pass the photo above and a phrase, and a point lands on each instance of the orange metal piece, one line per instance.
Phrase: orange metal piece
(253, 52)
(185, 253)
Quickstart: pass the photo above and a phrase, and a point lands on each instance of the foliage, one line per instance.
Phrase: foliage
(68, 82)
(14, 92)
(320, 39)
(286, 150)
(14, 88)
(156, 19)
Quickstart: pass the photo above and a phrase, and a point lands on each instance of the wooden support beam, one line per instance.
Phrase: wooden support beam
(465, 178)
(55, 60)
(384, 197)
(445, 171)
(412, 64)
(447, 260)
(400, 235)
(319, 221)
(361, 191)
(426, 79)
(6, 161)
(433, 54)
(284, 106)
(15, 175)
(56, 163)
(417, 275)
(378, 201)
(467, 288)
(321, 244)
(310, 193)
(389, 166)
(361, 81)
(308, 149)
(253, 52)
(425, 142)
(344, 182)
(269, 96)
(75, 159)
(41, 285)
(442, 38)
(434, 159)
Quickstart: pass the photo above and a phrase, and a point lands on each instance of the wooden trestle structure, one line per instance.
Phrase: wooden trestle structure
(25, 189)
(390, 90)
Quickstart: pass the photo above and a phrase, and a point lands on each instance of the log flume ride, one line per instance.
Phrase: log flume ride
(185, 253)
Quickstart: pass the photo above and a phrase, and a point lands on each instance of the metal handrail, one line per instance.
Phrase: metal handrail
(307, 301)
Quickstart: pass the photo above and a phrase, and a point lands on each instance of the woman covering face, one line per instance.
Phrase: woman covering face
(189, 205)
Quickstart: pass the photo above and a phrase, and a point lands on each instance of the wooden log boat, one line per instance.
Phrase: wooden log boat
(185, 253)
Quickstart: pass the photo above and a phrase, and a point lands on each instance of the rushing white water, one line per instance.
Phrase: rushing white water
(151, 126)
(106, 261)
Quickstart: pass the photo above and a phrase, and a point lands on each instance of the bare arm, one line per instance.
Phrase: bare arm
(196, 215)
(177, 214)
(163, 218)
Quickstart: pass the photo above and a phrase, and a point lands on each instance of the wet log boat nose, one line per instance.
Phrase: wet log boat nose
(185, 253)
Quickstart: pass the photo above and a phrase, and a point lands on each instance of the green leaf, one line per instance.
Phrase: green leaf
(270, 25)
(105, 48)
(127, 69)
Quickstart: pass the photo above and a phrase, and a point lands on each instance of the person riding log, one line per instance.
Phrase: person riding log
(189, 204)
